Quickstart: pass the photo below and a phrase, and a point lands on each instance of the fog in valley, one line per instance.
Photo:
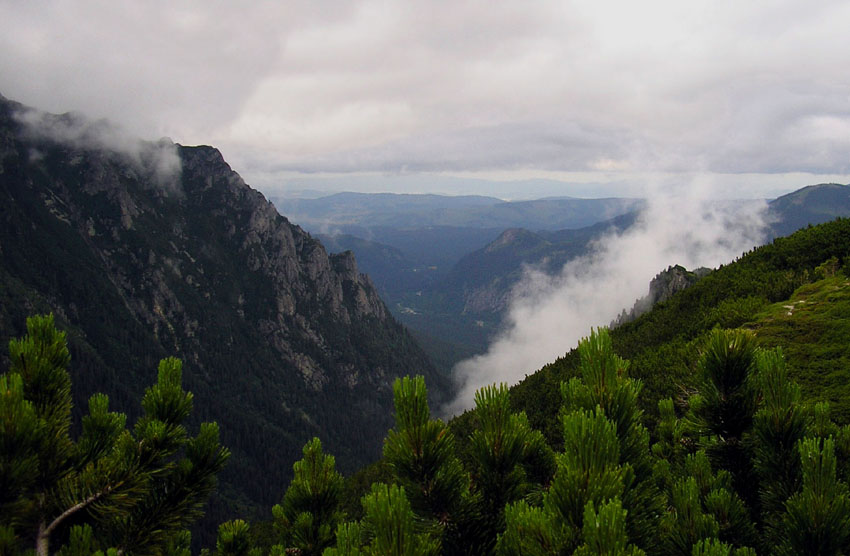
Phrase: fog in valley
(549, 314)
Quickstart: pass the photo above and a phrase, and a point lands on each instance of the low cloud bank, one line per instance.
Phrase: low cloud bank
(157, 161)
(549, 314)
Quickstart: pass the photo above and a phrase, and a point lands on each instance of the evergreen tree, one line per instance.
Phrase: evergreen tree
(713, 547)
(704, 505)
(388, 528)
(605, 384)
(124, 489)
(778, 426)
(421, 453)
(308, 516)
(671, 444)
(604, 532)
(502, 446)
(233, 539)
(588, 473)
(721, 414)
(817, 519)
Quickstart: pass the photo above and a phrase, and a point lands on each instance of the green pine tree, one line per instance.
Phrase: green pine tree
(234, 539)
(388, 528)
(421, 453)
(605, 384)
(778, 426)
(721, 414)
(137, 489)
(309, 514)
(817, 519)
(588, 472)
(501, 448)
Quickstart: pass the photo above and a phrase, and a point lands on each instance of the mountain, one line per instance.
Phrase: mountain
(389, 210)
(452, 284)
(814, 204)
(661, 288)
(481, 282)
(379, 209)
(394, 273)
(484, 277)
(457, 315)
(144, 250)
(423, 252)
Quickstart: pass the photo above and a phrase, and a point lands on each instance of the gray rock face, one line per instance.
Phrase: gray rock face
(661, 288)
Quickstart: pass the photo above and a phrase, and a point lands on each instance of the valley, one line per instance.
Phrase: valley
(451, 285)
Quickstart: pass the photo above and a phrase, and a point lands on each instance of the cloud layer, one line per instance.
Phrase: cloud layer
(716, 86)
(157, 161)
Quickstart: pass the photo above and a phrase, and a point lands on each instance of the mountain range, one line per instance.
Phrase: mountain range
(390, 210)
(451, 285)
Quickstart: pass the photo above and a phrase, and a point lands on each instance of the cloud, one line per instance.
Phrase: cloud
(158, 161)
(656, 86)
(543, 145)
(549, 314)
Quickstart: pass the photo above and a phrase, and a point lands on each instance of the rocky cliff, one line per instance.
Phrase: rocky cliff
(150, 249)
(661, 288)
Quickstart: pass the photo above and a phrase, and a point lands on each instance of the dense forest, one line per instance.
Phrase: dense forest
(682, 432)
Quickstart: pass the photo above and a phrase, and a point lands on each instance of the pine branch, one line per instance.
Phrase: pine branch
(77, 507)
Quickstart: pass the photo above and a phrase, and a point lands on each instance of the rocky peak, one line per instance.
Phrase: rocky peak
(515, 238)
(661, 288)
(144, 250)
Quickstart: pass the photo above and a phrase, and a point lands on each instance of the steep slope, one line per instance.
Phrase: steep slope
(390, 270)
(663, 343)
(158, 249)
(661, 288)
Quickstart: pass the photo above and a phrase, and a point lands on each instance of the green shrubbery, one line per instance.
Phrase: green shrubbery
(742, 468)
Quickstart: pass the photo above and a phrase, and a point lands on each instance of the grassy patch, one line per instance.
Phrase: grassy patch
(813, 330)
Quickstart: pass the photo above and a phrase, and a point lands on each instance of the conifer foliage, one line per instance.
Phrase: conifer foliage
(604, 472)
(308, 516)
(136, 491)
(739, 467)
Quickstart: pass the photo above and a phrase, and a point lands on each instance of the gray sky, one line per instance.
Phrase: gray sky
(747, 98)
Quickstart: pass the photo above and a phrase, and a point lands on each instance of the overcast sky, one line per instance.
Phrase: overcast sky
(752, 96)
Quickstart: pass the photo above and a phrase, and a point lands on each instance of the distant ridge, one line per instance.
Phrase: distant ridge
(346, 210)
(813, 204)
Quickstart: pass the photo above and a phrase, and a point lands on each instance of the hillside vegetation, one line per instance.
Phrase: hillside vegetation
(813, 330)
(664, 343)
